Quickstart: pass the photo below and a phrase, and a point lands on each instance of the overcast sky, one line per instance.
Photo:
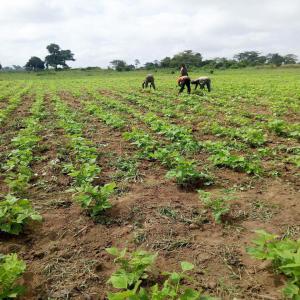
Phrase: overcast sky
(99, 31)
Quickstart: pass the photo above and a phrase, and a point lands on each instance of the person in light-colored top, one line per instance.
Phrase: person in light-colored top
(202, 82)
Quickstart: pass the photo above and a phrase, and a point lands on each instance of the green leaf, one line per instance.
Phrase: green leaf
(175, 277)
(291, 290)
(119, 279)
(190, 294)
(113, 251)
(121, 295)
(186, 266)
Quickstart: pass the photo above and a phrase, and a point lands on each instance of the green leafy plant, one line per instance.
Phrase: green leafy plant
(17, 166)
(13, 103)
(84, 173)
(11, 268)
(107, 117)
(252, 136)
(282, 128)
(134, 272)
(186, 174)
(285, 257)
(172, 288)
(219, 206)
(83, 167)
(94, 198)
(236, 162)
(133, 267)
(15, 213)
(141, 140)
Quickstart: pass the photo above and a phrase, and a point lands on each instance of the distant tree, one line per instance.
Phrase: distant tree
(156, 63)
(188, 57)
(129, 67)
(275, 59)
(224, 63)
(250, 58)
(34, 64)
(17, 67)
(166, 62)
(290, 59)
(149, 65)
(136, 63)
(66, 55)
(0, 67)
(261, 60)
(211, 63)
(118, 65)
(58, 57)
(9, 69)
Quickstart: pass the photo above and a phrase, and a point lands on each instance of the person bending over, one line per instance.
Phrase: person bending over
(184, 81)
(202, 82)
(149, 80)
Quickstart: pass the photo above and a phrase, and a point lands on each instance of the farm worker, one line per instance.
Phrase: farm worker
(183, 70)
(202, 82)
(184, 81)
(149, 79)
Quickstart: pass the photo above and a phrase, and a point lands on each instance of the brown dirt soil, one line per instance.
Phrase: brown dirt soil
(66, 257)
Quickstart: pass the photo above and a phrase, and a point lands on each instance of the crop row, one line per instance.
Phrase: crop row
(16, 212)
(13, 103)
(249, 129)
(184, 170)
(83, 166)
(182, 140)
(245, 128)
(7, 90)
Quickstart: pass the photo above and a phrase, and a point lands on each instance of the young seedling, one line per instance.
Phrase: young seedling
(219, 206)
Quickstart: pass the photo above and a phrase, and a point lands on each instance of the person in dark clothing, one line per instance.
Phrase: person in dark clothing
(183, 70)
(202, 82)
(149, 80)
(184, 81)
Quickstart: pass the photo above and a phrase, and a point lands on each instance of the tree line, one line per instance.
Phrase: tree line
(58, 58)
(195, 59)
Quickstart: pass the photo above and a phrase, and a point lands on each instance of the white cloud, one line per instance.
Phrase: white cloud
(98, 31)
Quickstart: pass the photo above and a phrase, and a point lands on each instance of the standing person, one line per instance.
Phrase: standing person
(184, 81)
(149, 80)
(183, 70)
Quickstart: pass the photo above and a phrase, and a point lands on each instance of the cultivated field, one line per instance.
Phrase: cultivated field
(190, 177)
